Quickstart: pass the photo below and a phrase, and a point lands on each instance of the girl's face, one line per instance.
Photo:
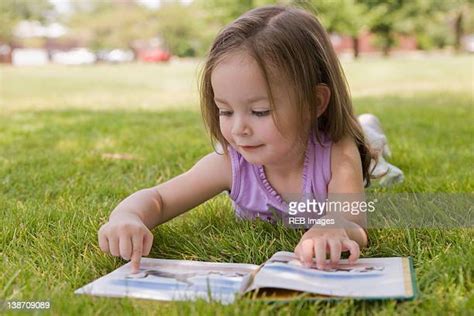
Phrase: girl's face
(245, 114)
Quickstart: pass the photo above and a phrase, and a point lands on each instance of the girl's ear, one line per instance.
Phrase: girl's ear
(323, 93)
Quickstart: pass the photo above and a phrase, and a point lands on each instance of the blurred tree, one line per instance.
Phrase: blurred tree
(385, 23)
(460, 12)
(215, 14)
(225, 11)
(101, 25)
(184, 28)
(435, 23)
(188, 30)
(346, 17)
(427, 20)
(13, 11)
(419, 18)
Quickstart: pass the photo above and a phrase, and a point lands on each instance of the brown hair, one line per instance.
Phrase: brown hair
(288, 41)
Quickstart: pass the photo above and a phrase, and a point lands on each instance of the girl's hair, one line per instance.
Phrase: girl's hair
(288, 42)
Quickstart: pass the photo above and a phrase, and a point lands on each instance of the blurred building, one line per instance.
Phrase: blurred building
(344, 44)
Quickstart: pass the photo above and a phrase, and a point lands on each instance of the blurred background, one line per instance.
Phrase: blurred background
(77, 32)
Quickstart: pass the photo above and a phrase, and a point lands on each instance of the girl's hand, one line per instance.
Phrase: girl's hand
(127, 237)
(317, 242)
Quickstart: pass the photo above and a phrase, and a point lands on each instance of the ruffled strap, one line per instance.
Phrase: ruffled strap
(307, 160)
(267, 185)
(305, 177)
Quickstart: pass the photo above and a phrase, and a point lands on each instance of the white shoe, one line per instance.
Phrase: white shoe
(388, 173)
(393, 176)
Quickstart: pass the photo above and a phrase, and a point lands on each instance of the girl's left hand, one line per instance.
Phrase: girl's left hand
(317, 242)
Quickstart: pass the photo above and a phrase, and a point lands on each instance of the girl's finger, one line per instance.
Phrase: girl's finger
(114, 246)
(307, 253)
(353, 248)
(320, 251)
(104, 243)
(125, 246)
(335, 250)
(137, 249)
(297, 250)
(147, 243)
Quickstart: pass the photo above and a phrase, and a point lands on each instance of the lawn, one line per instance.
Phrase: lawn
(74, 141)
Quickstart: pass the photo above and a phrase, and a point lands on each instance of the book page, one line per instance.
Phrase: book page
(163, 279)
(368, 278)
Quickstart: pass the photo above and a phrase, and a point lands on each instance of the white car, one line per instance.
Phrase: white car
(120, 56)
(77, 56)
(115, 56)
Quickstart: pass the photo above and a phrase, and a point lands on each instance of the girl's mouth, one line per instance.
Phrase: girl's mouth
(250, 147)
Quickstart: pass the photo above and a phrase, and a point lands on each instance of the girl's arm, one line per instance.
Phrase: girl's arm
(347, 234)
(347, 185)
(208, 177)
(127, 234)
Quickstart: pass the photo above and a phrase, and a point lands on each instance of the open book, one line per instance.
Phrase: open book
(282, 277)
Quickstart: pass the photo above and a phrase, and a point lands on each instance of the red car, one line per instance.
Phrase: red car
(153, 55)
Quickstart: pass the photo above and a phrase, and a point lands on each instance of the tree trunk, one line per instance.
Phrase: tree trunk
(386, 50)
(388, 43)
(458, 32)
(355, 46)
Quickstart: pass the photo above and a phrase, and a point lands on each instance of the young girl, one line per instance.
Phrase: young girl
(274, 96)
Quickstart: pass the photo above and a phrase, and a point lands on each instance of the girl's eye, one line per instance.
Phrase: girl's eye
(261, 113)
(225, 113)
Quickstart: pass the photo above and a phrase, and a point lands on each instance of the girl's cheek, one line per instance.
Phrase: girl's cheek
(225, 130)
(268, 127)
(222, 125)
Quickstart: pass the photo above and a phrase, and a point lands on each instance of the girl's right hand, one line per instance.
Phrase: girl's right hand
(127, 237)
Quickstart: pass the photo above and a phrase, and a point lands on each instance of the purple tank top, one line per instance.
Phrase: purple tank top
(254, 197)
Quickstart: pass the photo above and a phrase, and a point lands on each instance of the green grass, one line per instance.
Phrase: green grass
(58, 184)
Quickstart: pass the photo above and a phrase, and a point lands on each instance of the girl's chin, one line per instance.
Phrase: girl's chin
(252, 159)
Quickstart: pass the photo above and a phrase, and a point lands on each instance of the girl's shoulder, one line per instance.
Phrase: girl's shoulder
(218, 166)
(223, 164)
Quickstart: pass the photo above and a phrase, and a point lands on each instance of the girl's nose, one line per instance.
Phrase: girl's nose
(240, 127)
